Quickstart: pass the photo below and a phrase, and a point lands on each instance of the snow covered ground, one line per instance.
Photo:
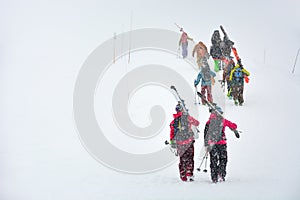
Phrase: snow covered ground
(42, 48)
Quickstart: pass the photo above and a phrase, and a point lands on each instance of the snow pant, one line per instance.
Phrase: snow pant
(220, 64)
(186, 160)
(206, 89)
(218, 161)
(184, 47)
(217, 65)
(237, 93)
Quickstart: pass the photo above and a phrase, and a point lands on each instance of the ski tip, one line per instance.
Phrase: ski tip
(173, 87)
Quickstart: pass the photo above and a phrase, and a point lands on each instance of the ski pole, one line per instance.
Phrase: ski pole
(195, 100)
(196, 96)
(178, 52)
(205, 170)
(199, 168)
(171, 149)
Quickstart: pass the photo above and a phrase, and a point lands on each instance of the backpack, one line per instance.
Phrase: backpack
(215, 52)
(205, 72)
(215, 38)
(238, 74)
(214, 129)
(181, 128)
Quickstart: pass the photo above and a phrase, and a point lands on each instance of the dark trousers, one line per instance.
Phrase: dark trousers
(237, 93)
(186, 160)
(218, 161)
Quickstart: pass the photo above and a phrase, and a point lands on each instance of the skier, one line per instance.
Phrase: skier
(183, 42)
(207, 80)
(182, 138)
(201, 51)
(236, 78)
(215, 142)
(226, 73)
(215, 50)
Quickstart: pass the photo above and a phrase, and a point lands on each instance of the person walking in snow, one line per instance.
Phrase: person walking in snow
(202, 53)
(237, 76)
(182, 138)
(206, 76)
(215, 50)
(183, 42)
(215, 143)
(226, 74)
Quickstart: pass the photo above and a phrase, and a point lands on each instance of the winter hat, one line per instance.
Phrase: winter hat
(178, 108)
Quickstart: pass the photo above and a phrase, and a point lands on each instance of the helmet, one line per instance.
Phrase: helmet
(219, 109)
(178, 108)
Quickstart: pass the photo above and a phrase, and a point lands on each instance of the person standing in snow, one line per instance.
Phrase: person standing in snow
(182, 138)
(206, 76)
(183, 42)
(202, 53)
(236, 78)
(215, 142)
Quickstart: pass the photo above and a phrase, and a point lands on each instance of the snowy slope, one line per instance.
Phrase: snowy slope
(263, 163)
(41, 154)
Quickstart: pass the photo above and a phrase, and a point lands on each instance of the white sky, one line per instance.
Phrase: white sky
(255, 26)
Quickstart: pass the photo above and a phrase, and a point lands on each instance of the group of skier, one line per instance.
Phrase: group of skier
(183, 131)
(234, 74)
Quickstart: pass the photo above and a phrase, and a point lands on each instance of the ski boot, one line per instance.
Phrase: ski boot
(184, 179)
(221, 178)
(236, 102)
(190, 177)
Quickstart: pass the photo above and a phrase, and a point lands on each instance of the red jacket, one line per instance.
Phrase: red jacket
(191, 121)
(226, 123)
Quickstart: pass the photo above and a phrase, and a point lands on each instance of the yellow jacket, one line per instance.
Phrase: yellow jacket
(245, 72)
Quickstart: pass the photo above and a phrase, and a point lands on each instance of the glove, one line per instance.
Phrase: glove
(236, 133)
(195, 83)
(173, 144)
(222, 83)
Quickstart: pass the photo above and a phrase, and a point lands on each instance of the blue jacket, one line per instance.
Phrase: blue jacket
(203, 82)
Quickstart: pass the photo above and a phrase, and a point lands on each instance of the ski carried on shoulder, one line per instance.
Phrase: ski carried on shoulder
(213, 107)
(236, 55)
(181, 101)
(178, 98)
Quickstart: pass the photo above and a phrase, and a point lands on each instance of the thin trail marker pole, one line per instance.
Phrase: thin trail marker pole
(296, 61)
